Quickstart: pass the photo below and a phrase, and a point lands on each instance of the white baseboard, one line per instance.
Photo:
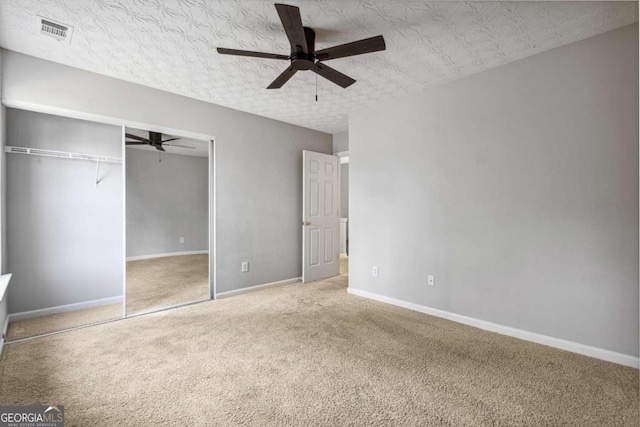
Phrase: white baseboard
(151, 256)
(63, 308)
(586, 350)
(256, 288)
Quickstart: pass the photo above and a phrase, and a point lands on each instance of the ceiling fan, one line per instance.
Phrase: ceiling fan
(154, 140)
(303, 54)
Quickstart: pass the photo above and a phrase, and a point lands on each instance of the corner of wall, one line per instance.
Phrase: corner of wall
(340, 142)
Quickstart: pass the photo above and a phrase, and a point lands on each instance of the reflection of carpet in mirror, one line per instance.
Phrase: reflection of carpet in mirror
(58, 322)
(163, 282)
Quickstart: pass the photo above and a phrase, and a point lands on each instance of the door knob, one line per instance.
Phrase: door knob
(307, 223)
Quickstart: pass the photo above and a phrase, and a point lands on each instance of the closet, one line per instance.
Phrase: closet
(102, 222)
(64, 222)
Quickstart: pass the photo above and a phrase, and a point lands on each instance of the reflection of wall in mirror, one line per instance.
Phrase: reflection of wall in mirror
(167, 201)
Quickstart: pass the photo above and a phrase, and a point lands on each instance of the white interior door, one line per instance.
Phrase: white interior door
(320, 216)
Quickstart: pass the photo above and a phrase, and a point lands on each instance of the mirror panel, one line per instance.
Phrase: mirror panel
(167, 217)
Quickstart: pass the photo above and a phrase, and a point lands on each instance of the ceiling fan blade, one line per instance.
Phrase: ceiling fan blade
(292, 23)
(139, 138)
(180, 146)
(135, 143)
(336, 77)
(159, 148)
(170, 139)
(237, 52)
(282, 78)
(373, 44)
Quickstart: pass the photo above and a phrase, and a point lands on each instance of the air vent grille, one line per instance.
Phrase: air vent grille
(53, 29)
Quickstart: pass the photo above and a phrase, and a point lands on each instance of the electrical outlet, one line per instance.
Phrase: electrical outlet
(375, 272)
(431, 280)
(244, 266)
(182, 240)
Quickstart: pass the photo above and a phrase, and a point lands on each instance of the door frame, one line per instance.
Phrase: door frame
(344, 160)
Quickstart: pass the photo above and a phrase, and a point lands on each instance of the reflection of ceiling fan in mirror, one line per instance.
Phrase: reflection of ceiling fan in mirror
(154, 140)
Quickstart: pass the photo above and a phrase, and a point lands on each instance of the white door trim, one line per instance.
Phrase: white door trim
(117, 121)
(213, 251)
(124, 222)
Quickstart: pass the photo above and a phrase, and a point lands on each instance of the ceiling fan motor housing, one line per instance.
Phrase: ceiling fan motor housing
(156, 139)
(301, 60)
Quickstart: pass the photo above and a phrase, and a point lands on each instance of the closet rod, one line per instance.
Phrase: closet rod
(61, 154)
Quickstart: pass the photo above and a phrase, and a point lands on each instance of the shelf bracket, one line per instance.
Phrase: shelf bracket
(97, 171)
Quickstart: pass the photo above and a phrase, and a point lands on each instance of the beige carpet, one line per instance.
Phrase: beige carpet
(344, 265)
(57, 322)
(311, 354)
(163, 282)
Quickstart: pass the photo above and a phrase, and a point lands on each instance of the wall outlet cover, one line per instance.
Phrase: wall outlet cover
(244, 267)
(375, 272)
(431, 280)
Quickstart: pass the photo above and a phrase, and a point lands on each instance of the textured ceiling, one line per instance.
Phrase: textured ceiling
(170, 45)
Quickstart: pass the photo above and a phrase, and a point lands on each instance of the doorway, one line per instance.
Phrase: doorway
(344, 212)
(324, 236)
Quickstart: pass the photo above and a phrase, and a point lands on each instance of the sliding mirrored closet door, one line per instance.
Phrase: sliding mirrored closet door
(167, 220)
(64, 230)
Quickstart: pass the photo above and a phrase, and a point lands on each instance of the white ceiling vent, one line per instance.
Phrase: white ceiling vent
(53, 29)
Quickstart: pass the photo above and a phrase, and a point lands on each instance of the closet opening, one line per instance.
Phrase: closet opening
(104, 221)
(64, 228)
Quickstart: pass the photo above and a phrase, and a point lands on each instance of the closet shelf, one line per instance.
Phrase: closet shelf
(61, 154)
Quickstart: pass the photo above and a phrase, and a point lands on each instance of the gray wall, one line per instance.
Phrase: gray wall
(64, 233)
(340, 142)
(259, 160)
(517, 188)
(165, 201)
